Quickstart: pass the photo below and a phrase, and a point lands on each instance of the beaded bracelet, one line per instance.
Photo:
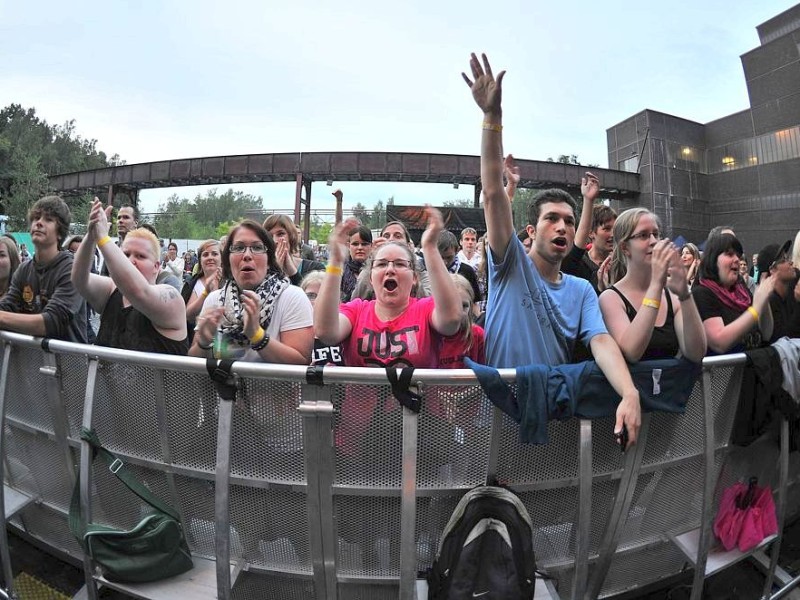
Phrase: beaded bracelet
(651, 303)
(262, 343)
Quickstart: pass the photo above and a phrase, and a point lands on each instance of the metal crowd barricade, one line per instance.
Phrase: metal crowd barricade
(288, 493)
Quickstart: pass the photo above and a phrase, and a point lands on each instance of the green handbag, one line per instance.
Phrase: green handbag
(155, 549)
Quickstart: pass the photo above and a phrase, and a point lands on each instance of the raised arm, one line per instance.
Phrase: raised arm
(487, 92)
(722, 338)
(162, 304)
(96, 289)
(590, 190)
(688, 324)
(446, 318)
(330, 326)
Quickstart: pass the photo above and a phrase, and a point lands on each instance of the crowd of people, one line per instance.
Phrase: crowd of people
(566, 287)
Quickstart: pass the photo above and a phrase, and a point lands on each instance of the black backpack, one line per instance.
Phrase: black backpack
(486, 549)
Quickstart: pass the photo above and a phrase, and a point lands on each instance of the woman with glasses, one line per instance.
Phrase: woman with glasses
(395, 328)
(360, 245)
(256, 314)
(733, 320)
(648, 309)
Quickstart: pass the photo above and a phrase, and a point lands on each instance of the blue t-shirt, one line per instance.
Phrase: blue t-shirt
(531, 320)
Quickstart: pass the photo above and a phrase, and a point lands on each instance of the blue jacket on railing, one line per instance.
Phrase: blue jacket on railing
(581, 390)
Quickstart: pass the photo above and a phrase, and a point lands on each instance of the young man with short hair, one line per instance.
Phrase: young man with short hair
(469, 248)
(776, 261)
(41, 300)
(536, 313)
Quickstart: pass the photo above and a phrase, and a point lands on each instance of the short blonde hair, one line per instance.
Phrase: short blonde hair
(311, 278)
(146, 234)
(206, 244)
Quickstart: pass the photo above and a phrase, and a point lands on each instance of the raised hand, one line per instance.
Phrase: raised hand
(660, 261)
(761, 295)
(251, 303)
(99, 216)
(430, 237)
(486, 90)
(603, 274)
(590, 187)
(511, 171)
(337, 241)
(677, 276)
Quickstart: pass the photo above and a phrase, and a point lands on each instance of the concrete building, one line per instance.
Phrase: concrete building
(741, 170)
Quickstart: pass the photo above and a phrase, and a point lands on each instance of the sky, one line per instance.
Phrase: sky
(158, 80)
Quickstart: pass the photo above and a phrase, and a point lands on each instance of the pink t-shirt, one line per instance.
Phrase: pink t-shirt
(453, 350)
(406, 341)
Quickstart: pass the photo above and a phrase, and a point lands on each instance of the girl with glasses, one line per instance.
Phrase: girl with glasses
(256, 314)
(648, 309)
(360, 246)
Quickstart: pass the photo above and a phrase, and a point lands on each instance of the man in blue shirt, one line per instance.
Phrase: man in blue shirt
(536, 313)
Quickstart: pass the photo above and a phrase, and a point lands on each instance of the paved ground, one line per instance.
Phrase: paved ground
(740, 582)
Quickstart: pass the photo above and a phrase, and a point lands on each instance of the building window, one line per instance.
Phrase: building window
(629, 164)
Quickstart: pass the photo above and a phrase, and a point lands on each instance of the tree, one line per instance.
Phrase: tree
(319, 230)
(461, 203)
(361, 213)
(378, 219)
(569, 159)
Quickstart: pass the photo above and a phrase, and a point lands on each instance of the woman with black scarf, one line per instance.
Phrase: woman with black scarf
(360, 246)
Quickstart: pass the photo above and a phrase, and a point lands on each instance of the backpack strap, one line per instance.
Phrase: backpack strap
(117, 467)
(400, 388)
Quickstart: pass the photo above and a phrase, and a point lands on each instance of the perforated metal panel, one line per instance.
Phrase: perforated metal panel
(368, 535)
(453, 438)
(270, 528)
(645, 565)
(38, 467)
(50, 526)
(191, 406)
(528, 463)
(606, 454)
(113, 504)
(368, 434)
(676, 436)
(353, 591)
(125, 412)
(197, 508)
(725, 384)
(267, 438)
(73, 370)
(26, 400)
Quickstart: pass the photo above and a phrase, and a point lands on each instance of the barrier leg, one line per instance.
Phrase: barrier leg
(85, 473)
(584, 511)
(781, 507)
(5, 554)
(222, 517)
(408, 508)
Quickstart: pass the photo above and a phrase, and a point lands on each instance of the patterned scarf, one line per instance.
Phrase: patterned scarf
(232, 325)
(738, 298)
(455, 266)
(352, 268)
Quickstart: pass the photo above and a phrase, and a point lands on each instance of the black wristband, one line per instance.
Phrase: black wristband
(262, 343)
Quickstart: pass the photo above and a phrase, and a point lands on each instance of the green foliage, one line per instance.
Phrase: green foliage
(320, 231)
(30, 150)
(569, 159)
(207, 216)
(461, 203)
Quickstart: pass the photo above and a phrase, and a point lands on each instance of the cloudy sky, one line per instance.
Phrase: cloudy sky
(164, 80)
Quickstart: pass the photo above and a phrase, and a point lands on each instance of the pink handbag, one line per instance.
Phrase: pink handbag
(746, 516)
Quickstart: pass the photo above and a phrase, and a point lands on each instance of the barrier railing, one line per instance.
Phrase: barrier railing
(309, 488)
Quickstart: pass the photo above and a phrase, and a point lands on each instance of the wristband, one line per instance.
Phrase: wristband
(651, 303)
(258, 336)
(204, 293)
(202, 347)
(261, 344)
(103, 241)
(753, 312)
(686, 296)
(492, 126)
(333, 270)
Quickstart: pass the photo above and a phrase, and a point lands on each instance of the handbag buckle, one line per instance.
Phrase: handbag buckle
(115, 466)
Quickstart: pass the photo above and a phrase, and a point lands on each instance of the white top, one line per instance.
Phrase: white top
(292, 311)
(474, 262)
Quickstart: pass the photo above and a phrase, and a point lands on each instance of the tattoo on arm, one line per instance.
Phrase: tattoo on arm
(168, 296)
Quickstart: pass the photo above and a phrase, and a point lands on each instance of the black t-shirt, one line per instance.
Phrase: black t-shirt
(578, 263)
(785, 315)
(469, 274)
(710, 306)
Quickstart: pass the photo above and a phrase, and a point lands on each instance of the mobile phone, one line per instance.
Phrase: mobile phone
(622, 438)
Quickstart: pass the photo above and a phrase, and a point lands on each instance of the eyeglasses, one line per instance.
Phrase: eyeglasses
(311, 295)
(400, 264)
(254, 248)
(780, 260)
(645, 235)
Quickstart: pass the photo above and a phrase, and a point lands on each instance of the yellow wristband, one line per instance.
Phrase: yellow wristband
(103, 241)
(333, 270)
(205, 293)
(492, 126)
(753, 312)
(651, 303)
(258, 336)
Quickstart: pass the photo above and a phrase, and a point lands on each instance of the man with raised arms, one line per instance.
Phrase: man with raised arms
(556, 309)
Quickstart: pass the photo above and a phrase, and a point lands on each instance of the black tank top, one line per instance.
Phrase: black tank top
(128, 329)
(664, 341)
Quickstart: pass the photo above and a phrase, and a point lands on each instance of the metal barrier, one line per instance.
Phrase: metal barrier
(290, 492)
